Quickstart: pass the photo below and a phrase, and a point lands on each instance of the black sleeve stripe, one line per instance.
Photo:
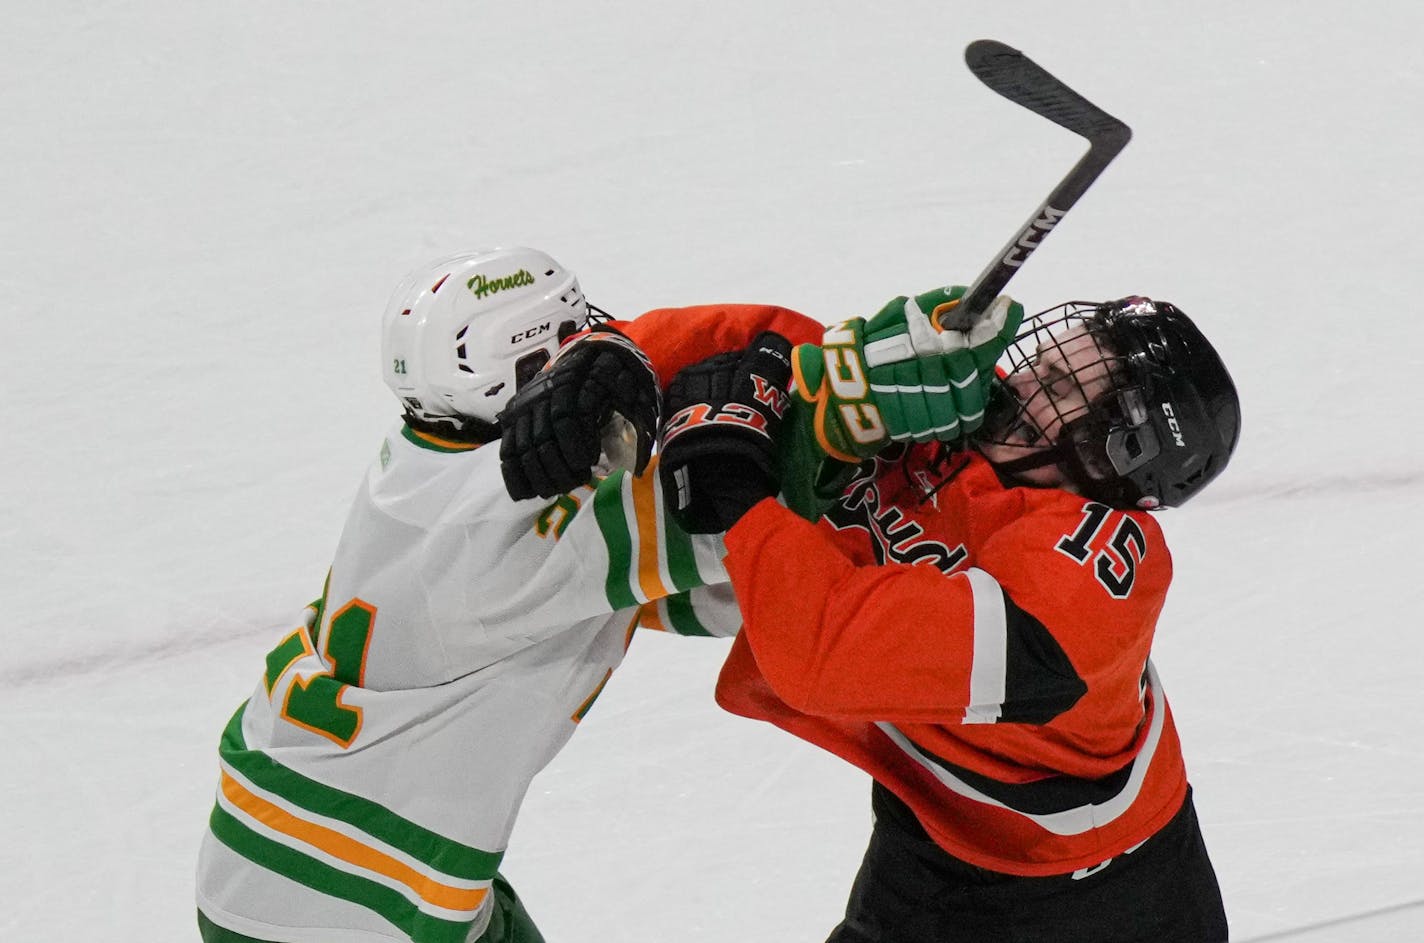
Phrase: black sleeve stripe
(1040, 681)
(1054, 795)
(1064, 805)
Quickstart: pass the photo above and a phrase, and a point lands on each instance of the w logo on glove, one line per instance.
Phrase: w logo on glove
(769, 395)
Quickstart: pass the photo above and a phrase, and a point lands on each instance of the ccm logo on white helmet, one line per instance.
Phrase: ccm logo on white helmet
(524, 335)
(1174, 425)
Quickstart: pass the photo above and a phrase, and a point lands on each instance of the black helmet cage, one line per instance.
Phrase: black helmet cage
(1164, 427)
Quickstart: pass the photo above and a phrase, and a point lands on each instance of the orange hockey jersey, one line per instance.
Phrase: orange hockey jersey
(982, 652)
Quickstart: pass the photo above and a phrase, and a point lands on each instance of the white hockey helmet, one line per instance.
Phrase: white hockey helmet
(462, 334)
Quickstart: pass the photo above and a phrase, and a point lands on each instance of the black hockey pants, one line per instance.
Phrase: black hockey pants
(909, 890)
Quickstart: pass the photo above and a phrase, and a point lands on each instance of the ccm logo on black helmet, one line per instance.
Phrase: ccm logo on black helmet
(1173, 425)
(531, 332)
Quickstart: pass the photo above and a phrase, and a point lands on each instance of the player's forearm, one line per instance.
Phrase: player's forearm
(674, 338)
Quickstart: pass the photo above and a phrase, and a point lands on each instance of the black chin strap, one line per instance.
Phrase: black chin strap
(467, 429)
(1038, 459)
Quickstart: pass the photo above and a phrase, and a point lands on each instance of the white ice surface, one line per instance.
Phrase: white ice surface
(205, 206)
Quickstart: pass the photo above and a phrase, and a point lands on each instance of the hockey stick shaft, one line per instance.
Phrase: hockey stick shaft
(1024, 82)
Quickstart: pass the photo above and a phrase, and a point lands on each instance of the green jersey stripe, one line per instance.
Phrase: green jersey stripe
(212, 933)
(435, 443)
(682, 616)
(438, 852)
(322, 877)
(681, 564)
(609, 510)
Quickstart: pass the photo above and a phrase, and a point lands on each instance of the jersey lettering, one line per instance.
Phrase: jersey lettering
(557, 516)
(314, 702)
(1076, 544)
(1116, 566)
(1115, 563)
(894, 537)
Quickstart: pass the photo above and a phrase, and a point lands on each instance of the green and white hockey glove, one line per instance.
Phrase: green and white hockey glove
(900, 377)
(811, 481)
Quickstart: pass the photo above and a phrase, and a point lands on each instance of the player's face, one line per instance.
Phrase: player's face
(1067, 373)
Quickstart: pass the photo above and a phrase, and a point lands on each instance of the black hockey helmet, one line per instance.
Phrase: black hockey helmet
(1163, 427)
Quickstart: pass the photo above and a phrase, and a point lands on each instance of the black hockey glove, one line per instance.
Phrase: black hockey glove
(718, 452)
(552, 430)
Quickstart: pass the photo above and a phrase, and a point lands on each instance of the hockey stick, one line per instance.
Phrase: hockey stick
(1025, 82)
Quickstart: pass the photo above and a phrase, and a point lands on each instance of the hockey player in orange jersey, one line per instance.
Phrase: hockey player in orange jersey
(970, 620)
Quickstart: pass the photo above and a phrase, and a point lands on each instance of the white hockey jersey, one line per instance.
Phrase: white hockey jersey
(369, 786)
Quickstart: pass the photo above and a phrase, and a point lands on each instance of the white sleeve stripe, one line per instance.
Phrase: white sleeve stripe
(988, 674)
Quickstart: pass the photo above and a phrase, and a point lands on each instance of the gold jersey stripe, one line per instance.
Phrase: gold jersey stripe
(650, 549)
(348, 849)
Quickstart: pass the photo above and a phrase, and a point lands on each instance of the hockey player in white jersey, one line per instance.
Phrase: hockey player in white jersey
(368, 787)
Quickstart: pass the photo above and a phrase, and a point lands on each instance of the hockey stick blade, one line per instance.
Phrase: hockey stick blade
(1018, 78)
(1024, 82)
